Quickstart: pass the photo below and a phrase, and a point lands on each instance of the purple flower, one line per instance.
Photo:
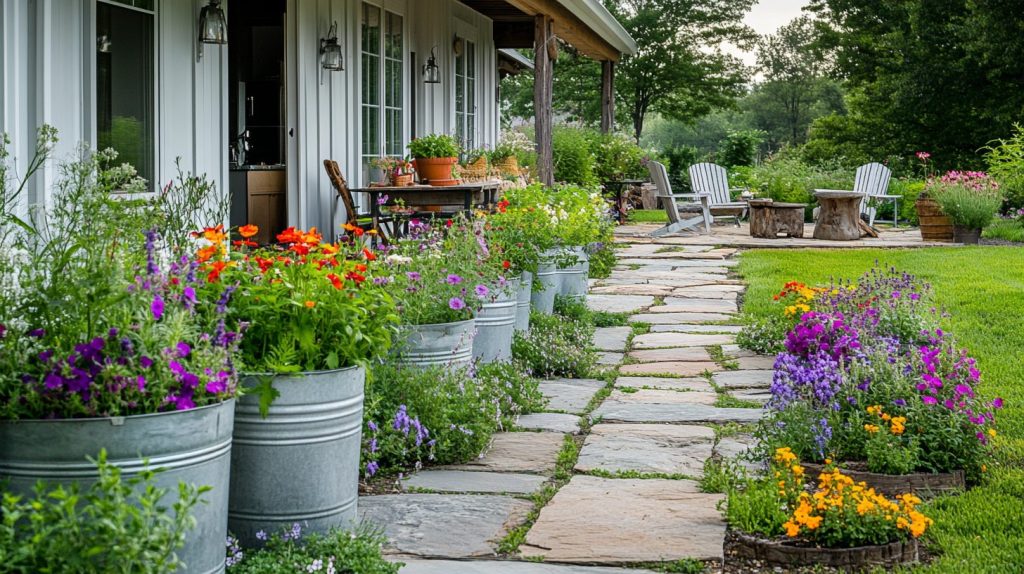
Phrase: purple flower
(140, 382)
(145, 361)
(481, 290)
(929, 400)
(157, 307)
(261, 535)
(37, 333)
(900, 402)
(188, 297)
(453, 279)
(383, 199)
(183, 349)
(413, 275)
(371, 425)
(372, 467)
(997, 403)
(456, 304)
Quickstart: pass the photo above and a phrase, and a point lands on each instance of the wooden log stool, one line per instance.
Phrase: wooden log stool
(839, 219)
(770, 220)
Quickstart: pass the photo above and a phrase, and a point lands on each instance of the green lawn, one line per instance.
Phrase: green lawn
(983, 290)
(648, 216)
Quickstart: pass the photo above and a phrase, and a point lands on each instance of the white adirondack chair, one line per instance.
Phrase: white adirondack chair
(713, 180)
(873, 180)
(675, 219)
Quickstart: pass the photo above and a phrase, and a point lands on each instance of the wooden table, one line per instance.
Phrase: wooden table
(769, 219)
(464, 196)
(839, 219)
(618, 186)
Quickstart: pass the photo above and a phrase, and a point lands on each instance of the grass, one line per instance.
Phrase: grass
(1005, 229)
(983, 289)
(648, 216)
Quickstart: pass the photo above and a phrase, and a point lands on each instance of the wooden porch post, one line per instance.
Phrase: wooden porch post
(543, 79)
(607, 96)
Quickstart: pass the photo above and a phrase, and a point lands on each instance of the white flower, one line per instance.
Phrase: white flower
(398, 259)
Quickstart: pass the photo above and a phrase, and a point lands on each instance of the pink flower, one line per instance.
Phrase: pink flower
(923, 155)
(929, 400)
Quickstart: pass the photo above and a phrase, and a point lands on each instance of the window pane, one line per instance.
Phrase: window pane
(124, 86)
(371, 29)
(470, 59)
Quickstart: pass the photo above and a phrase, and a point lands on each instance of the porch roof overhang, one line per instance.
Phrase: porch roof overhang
(585, 24)
(512, 61)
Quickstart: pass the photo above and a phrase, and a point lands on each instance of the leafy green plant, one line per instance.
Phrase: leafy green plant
(739, 147)
(339, 551)
(1005, 158)
(573, 160)
(435, 146)
(115, 525)
(616, 157)
(970, 199)
(555, 346)
(756, 507)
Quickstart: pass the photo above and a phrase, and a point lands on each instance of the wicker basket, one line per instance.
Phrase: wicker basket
(508, 166)
(935, 226)
(475, 170)
(401, 179)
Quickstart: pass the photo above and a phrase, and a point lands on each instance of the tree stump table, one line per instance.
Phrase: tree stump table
(839, 219)
(770, 220)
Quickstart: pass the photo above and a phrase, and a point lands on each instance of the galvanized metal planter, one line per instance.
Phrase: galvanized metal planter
(447, 344)
(192, 446)
(523, 302)
(495, 325)
(300, 464)
(573, 278)
(543, 301)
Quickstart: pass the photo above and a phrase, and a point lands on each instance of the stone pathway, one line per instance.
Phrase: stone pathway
(633, 497)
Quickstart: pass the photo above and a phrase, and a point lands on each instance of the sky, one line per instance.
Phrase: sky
(767, 16)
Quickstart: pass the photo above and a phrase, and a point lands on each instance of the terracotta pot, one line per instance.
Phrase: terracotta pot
(435, 168)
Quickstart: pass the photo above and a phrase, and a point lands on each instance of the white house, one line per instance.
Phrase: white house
(134, 75)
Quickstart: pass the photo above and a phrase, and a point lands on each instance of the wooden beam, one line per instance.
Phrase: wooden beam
(542, 91)
(570, 28)
(607, 96)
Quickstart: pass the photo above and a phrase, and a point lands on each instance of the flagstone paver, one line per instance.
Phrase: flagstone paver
(619, 303)
(659, 340)
(467, 481)
(443, 525)
(569, 395)
(647, 448)
(671, 368)
(698, 305)
(611, 338)
(607, 359)
(735, 351)
(757, 362)
(531, 452)
(673, 413)
(743, 379)
(662, 396)
(505, 567)
(551, 422)
(614, 521)
(697, 384)
(635, 289)
(672, 354)
(696, 328)
(677, 318)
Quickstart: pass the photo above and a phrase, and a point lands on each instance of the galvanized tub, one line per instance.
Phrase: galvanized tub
(448, 344)
(573, 278)
(300, 464)
(547, 275)
(495, 325)
(523, 301)
(192, 446)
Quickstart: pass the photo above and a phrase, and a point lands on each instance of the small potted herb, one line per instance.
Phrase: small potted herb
(436, 157)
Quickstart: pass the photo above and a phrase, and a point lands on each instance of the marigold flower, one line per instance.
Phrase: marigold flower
(310, 304)
(792, 529)
(248, 231)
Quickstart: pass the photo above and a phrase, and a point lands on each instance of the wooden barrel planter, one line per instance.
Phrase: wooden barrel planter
(781, 552)
(935, 226)
(921, 484)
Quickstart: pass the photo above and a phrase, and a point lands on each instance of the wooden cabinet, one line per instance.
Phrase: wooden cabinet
(258, 197)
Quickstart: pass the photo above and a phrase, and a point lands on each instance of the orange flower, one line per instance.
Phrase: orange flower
(206, 253)
(330, 249)
(354, 230)
(215, 269)
(503, 205)
(369, 254)
(245, 243)
(290, 235)
(360, 267)
(335, 280)
(214, 234)
(312, 237)
(310, 304)
(248, 231)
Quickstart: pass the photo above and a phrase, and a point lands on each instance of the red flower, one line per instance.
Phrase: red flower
(335, 280)
(506, 264)
(264, 263)
(503, 205)
(300, 248)
(369, 255)
(360, 267)
(448, 223)
(290, 235)
(245, 243)
(215, 268)
(355, 277)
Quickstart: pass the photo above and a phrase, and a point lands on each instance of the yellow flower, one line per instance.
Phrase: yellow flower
(310, 304)
(871, 428)
(992, 432)
(792, 529)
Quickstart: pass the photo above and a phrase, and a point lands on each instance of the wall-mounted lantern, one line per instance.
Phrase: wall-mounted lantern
(330, 51)
(213, 26)
(431, 73)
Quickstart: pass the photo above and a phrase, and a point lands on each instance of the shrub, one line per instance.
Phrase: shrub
(616, 157)
(113, 526)
(756, 508)
(678, 161)
(1005, 158)
(335, 551)
(739, 147)
(555, 346)
(573, 160)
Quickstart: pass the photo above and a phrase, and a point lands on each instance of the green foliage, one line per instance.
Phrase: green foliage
(970, 200)
(888, 454)
(116, 525)
(739, 148)
(602, 261)
(336, 551)
(1005, 159)
(785, 177)
(1005, 229)
(555, 346)
(616, 157)
(573, 161)
(756, 507)
(435, 146)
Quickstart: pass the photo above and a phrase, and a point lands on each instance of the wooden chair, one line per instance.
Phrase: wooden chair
(873, 179)
(343, 194)
(675, 220)
(713, 180)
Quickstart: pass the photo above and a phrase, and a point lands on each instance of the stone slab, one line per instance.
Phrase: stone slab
(710, 293)
(631, 289)
(758, 362)
(699, 290)
(734, 350)
(669, 413)
(757, 395)
(466, 481)
(611, 338)
(551, 422)
(659, 340)
(616, 521)
(695, 384)
(609, 359)
(678, 318)
(671, 368)
(731, 329)
(752, 379)
(671, 354)
(663, 397)
(647, 448)
(569, 395)
(530, 452)
(414, 566)
(444, 525)
(618, 303)
(698, 305)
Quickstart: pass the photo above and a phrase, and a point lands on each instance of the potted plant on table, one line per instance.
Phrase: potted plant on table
(969, 198)
(436, 156)
(397, 170)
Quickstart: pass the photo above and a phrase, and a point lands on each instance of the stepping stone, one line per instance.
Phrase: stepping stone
(647, 448)
(677, 318)
(611, 338)
(609, 359)
(671, 368)
(756, 395)
(700, 305)
(552, 422)
(672, 413)
(743, 379)
(633, 289)
(505, 567)
(612, 521)
(671, 354)
(673, 262)
(444, 525)
(703, 292)
(758, 362)
(659, 340)
(735, 351)
(464, 481)
(619, 303)
(533, 452)
(696, 329)
(687, 309)
(695, 384)
(663, 397)
(569, 395)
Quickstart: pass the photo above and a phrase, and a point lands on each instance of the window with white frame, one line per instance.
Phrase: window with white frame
(465, 95)
(382, 85)
(125, 71)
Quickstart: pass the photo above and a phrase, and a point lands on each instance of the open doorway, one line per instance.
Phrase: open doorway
(257, 109)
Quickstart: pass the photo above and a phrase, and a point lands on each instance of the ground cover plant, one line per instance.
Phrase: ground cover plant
(978, 530)
(336, 552)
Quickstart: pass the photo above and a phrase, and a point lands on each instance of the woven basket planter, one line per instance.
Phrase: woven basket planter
(921, 484)
(476, 170)
(775, 552)
(508, 166)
